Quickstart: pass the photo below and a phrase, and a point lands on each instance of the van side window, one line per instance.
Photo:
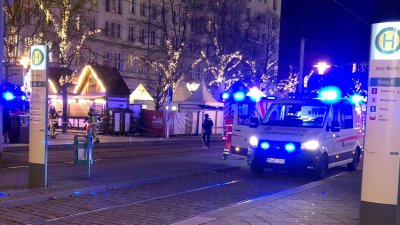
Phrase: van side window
(346, 116)
(243, 115)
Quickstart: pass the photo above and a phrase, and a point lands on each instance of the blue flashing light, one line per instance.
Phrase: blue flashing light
(239, 96)
(255, 94)
(290, 147)
(357, 99)
(225, 95)
(23, 97)
(330, 95)
(8, 96)
(265, 145)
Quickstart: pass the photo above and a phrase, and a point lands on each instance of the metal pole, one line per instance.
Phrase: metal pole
(168, 112)
(301, 66)
(1, 70)
(148, 40)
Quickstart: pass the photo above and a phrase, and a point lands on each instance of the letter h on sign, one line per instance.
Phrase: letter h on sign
(385, 40)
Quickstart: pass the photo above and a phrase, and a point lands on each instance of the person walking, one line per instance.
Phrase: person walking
(53, 121)
(92, 118)
(6, 125)
(207, 130)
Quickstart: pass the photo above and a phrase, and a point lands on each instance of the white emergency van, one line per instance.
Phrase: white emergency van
(308, 134)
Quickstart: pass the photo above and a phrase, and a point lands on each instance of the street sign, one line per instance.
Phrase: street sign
(380, 182)
(38, 117)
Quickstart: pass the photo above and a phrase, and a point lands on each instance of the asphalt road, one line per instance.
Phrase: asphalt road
(181, 182)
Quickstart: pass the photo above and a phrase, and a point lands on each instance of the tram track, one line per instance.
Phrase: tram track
(195, 194)
(111, 154)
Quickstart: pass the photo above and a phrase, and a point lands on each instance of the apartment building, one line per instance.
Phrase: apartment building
(130, 33)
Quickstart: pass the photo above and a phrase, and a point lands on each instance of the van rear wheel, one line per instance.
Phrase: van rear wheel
(257, 170)
(356, 160)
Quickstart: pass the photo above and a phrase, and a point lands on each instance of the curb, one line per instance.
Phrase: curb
(133, 144)
(100, 188)
(241, 206)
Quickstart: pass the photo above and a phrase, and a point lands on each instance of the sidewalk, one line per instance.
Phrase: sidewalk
(332, 201)
(66, 141)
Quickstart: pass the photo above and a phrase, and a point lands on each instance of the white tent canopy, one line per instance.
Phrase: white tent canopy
(201, 97)
(181, 92)
(140, 94)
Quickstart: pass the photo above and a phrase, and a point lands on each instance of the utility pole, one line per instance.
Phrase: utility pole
(1, 70)
(301, 66)
(148, 39)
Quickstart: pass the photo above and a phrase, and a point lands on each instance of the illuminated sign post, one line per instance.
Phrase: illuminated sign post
(380, 182)
(38, 118)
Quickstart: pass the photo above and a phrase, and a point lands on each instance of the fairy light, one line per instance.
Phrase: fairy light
(94, 74)
(225, 62)
(53, 87)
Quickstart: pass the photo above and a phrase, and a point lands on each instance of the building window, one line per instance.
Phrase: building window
(106, 27)
(162, 39)
(93, 23)
(143, 9)
(107, 5)
(154, 12)
(142, 35)
(275, 5)
(118, 30)
(248, 14)
(131, 36)
(132, 6)
(107, 58)
(118, 60)
(113, 6)
(133, 64)
(153, 37)
(120, 7)
(112, 30)
(93, 56)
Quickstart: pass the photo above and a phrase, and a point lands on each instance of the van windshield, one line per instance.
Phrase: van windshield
(296, 115)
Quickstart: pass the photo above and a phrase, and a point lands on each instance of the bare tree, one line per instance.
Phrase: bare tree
(260, 50)
(23, 28)
(167, 34)
(223, 35)
(66, 19)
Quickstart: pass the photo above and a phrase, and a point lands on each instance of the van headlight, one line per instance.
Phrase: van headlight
(253, 141)
(310, 145)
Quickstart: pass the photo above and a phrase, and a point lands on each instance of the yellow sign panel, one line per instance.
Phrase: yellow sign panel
(37, 57)
(387, 41)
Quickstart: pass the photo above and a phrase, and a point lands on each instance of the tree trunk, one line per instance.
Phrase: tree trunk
(64, 125)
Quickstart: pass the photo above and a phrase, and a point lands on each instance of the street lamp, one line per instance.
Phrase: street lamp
(322, 67)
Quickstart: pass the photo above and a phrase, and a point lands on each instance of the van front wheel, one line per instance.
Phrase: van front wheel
(321, 167)
(356, 160)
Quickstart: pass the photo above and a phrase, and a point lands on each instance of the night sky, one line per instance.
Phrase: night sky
(337, 31)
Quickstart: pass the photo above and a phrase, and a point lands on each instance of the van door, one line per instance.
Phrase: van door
(348, 135)
(241, 125)
(331, 137)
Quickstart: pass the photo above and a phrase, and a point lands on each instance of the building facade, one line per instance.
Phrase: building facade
(134, 32)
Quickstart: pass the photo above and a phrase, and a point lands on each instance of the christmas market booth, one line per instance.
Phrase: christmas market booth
(100, 87)
(195, 106)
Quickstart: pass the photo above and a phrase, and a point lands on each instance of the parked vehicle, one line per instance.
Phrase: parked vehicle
(308, 134)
